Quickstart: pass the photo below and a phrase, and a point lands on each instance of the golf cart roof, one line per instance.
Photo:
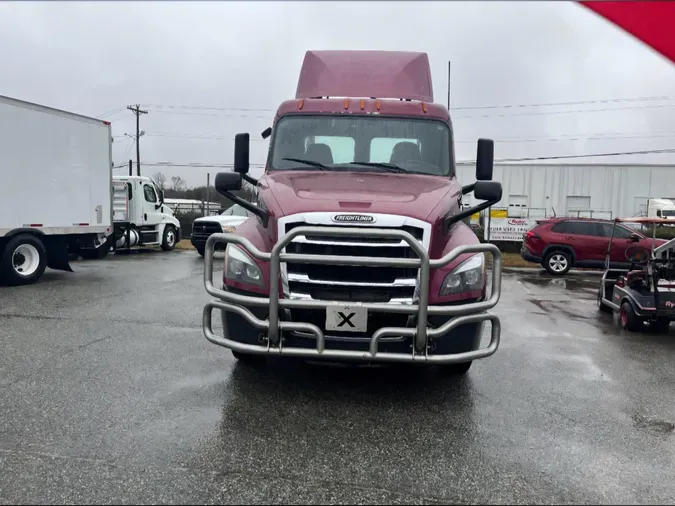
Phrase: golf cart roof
(645, 220)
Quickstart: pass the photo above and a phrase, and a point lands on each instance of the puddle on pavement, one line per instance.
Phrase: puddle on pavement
(585, 288)
(656, 426)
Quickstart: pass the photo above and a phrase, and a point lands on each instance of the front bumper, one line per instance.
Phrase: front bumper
(261, 327)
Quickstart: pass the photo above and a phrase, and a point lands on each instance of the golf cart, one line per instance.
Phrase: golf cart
(643, 294)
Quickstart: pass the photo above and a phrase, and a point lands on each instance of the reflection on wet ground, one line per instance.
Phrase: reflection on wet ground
(110, 393)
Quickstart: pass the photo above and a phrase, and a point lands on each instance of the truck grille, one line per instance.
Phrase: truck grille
(206, 228)
(348, 283)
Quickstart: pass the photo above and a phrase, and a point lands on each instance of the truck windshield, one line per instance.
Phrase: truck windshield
(419, 146)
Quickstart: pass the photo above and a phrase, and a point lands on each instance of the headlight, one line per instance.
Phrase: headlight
(239, 267)
(228, 229)
(467, 276)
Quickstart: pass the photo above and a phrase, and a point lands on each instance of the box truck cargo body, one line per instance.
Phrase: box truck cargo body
(55, 193)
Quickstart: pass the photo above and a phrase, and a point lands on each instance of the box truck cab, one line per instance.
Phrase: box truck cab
(358, 250)
(140, 216)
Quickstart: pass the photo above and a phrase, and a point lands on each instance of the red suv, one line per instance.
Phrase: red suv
(558, 244)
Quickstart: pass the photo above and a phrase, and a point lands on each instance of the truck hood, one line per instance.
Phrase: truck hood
(410, 195)
(230, 221)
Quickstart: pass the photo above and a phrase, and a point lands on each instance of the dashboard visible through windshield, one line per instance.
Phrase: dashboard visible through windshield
(328, 142)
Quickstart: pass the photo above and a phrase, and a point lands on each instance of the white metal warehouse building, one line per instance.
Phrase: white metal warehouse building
(586, 190)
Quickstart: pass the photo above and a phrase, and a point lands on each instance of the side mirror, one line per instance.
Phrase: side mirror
(485, 155)
(488, 190)
(634, 238)
(227, 182)
(161, 196)
(241, 153)
(266, 133)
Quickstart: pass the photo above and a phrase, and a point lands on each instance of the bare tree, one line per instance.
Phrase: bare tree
(177, 184)
(160, 179)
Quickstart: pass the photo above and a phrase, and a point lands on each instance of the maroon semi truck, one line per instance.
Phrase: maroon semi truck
(358, 249)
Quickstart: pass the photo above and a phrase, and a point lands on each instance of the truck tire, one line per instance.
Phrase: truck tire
(200, 250)
(558, 262)
(169, 238)
(24, 260)
(627, 317)
(457, 369)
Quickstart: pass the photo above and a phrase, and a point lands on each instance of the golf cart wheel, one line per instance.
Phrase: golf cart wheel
(661, 326)
(558, 262)
(601, 305)
(169, 238)
(23, 261)
(249, 359)
(627, 317)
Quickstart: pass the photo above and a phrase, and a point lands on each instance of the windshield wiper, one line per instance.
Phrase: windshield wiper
(318, 165)
(391, 167)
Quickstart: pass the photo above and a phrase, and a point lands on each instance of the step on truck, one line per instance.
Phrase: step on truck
(55, 195)
(358, 248)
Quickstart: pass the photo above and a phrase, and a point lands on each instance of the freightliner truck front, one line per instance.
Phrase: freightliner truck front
(358, 249)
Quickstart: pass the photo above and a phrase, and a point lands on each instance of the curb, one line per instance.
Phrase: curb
(532, 270)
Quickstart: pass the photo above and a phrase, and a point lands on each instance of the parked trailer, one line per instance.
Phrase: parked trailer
(55, 196)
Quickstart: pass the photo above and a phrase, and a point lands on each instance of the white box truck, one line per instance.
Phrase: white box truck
(55, 192)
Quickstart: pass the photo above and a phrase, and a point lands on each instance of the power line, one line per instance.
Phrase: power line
(470, 107)
(588, 155)
(223, 114)
(557, 138)
(525, 159)
(575, 111)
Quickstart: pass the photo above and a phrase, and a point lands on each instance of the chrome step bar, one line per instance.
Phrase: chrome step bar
(272, 327)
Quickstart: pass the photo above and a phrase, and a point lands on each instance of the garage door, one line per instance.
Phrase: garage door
(578, 203)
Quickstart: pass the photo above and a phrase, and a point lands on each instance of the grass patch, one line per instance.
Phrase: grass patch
(184, 244)
(514, 260)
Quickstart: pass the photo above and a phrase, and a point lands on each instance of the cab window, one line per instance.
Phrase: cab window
(150, 195)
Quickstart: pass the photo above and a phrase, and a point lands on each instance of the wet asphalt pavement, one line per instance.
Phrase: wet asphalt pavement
(109, 393)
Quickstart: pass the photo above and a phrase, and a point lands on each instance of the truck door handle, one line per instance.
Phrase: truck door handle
(145, 216)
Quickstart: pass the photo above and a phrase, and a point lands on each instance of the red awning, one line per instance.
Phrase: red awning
(651, 22)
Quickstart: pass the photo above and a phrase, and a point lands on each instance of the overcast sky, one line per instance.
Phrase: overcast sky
(193, 64)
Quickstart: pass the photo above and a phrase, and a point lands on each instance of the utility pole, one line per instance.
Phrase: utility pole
(448, 86)
(137, 111)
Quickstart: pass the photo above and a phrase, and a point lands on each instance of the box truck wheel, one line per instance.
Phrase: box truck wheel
(24, 260)
(169, 238)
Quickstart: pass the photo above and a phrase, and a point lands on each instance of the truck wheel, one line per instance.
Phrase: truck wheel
(558, 262)
(457, 369)
(200, 250)
(249, 359)
(169, 238)
(627, 317)
(24, 260)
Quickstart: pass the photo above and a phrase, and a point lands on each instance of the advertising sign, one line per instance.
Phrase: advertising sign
(509, 229)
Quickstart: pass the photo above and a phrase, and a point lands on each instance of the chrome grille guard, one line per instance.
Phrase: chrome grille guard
(464, 314)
